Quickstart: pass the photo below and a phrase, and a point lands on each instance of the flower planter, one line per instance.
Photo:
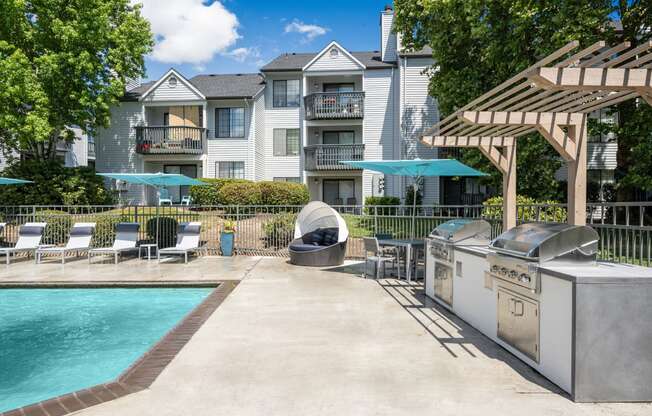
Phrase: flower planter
(226, 243)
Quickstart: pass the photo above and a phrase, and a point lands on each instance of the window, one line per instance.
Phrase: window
(338, 137)
(340, 87)
(229, 122)
(286, 142)
(334, 53)
(234, 170)
(286, 93)
(172, 82)
(287, 179)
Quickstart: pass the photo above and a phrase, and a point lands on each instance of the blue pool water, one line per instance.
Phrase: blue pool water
(56, 341)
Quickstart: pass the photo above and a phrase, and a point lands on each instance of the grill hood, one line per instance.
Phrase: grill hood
(545, 242)
(461, 229)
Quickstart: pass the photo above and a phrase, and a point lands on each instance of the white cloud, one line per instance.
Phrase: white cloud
(188, 31)
(243, 54)
(308, 31)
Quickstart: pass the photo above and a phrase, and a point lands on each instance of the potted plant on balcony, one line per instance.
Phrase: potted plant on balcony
(227, 237)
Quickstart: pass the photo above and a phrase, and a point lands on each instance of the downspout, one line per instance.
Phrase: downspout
(252, 149)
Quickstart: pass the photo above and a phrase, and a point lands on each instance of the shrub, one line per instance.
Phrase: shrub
(167, 234)
(527, 209)
(104, 234)
(58, 225)
(208, 195)
(54, 184)
(279, 231)
(240, 193)
(382, 200)
(283, 193)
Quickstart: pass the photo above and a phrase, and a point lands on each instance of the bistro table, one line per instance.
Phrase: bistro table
(408, 244)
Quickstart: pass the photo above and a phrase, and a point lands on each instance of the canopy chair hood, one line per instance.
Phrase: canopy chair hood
(320, 236)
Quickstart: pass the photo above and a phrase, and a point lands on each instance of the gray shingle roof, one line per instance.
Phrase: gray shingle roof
(228, 85)
(426, 51)
(296, 61)
(214, 86)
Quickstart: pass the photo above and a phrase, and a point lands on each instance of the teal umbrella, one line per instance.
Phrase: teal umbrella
(416, 169)
(157, 180)
(11, 181)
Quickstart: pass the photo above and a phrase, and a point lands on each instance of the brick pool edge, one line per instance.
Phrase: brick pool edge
(142, 373)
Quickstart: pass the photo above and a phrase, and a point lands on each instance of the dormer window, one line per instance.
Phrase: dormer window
(172, 82)
(334, 53)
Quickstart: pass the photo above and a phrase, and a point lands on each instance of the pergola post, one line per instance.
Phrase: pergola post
(509, 188)
(577, 174)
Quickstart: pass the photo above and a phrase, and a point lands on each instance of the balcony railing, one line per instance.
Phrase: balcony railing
(328, 156)
(334, 105)
(169, 140)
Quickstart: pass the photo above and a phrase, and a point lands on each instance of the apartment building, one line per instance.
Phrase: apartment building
(293, 121)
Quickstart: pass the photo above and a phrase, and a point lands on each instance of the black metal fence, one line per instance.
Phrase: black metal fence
(625, 229)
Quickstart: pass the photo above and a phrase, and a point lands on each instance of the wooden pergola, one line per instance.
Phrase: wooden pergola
(553, 97)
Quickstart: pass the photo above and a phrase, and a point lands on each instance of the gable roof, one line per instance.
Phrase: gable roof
(296, 61)
(212, 86)
(328, 47)
(180, 77)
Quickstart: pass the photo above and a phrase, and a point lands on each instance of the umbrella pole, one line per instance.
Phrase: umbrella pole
(158, 194)
(414, 205)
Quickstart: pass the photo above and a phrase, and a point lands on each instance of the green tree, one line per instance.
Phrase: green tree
(63, 63)
(477, 44)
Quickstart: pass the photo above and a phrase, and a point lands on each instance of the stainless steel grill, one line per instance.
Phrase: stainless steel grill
(519, 251)
(440, 258)
(515, 261)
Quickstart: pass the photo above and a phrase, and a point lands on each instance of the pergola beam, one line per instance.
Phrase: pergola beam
(591, 79)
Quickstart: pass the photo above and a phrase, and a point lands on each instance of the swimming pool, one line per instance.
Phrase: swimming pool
(56, 341)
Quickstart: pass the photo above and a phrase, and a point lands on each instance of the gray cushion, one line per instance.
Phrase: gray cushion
(81, 231)
(185, 228)
(30, 230)
(127, 227)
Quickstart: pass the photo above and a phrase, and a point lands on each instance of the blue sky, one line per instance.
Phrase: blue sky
(233, 36)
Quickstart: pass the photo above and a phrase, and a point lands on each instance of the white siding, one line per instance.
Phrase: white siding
(280, 118)
(419, 111)
(259, 140)
(379, 126)
(602, 155)
(341, 62)
(387, 37)
(230, 149)
(115, 146)
(180, 92)
(78, 153)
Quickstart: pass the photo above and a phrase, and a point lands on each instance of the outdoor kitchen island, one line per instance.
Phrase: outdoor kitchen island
(585, 327)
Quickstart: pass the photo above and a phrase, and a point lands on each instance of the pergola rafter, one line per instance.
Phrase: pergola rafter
(552, 97)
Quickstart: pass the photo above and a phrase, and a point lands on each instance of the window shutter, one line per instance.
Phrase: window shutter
(280, 148)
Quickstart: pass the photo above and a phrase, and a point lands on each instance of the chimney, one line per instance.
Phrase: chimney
(387, 37)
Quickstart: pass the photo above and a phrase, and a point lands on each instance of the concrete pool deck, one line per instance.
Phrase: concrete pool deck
(300, 341)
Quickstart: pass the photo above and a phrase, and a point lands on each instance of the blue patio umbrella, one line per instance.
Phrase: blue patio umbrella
(11, 181)
(416, 169)
(157, 180)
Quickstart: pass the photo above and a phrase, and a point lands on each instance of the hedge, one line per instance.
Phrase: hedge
(279, 231)
(493, 209)
(167, 231)
(58, 225)
(208, 195)
(244, 192)
(382, 200)
(284, 193)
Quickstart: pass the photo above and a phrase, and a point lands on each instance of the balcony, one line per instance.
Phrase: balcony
(328, 156)
(334, 105)
(169, 140)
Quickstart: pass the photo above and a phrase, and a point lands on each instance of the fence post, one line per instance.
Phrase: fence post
(375, 220)
(33, 213)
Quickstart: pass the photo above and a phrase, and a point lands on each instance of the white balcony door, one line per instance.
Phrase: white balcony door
(178, 192)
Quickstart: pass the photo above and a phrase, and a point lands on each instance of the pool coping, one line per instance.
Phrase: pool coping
(142, 373)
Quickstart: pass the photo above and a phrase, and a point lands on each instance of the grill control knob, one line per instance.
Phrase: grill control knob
(513, 274)
(503, 271)
(494, 268)
(524, 278)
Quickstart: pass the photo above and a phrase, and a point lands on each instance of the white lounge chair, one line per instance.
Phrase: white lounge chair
(81, 235)
(126, 238)
(29, 238)
(164, 197)
(187, 240)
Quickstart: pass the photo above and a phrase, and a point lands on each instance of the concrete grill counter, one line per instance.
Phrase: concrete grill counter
(586, 328)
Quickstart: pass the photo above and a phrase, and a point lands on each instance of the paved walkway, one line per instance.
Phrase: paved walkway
(299, 341)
